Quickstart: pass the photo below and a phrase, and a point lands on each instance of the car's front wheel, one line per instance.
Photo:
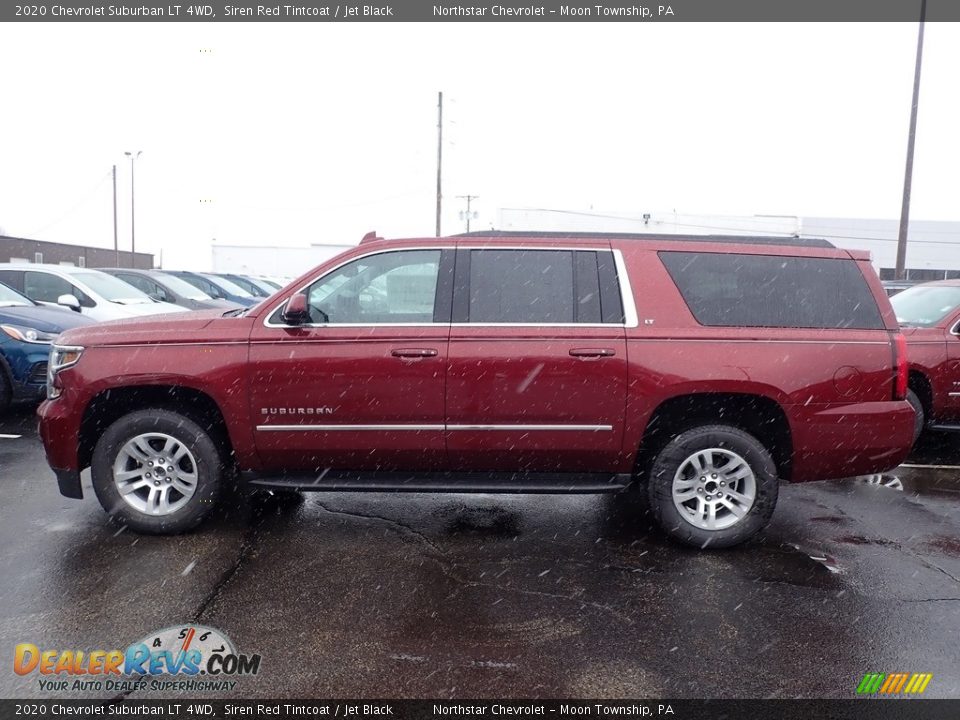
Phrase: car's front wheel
(713, 486)
(157, 472)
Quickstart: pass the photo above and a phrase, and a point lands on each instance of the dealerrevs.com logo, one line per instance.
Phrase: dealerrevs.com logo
(179, 658)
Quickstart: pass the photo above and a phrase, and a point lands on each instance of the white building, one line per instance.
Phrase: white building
(933, 250)
(281, 262)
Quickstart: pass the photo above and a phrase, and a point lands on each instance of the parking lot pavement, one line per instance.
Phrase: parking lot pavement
(383, 595)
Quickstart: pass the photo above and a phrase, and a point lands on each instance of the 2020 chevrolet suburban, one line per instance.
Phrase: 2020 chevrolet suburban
(700, 371)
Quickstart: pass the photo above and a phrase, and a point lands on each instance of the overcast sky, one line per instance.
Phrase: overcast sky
(313, 132)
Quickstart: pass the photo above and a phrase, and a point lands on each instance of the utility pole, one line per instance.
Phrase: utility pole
(116, 244)
(133, 223)
(439, 156)
(467, 214)
(911, 138)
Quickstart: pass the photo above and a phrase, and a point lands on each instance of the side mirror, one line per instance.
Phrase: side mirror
(158, 297)
(69, 301)
(296, 311)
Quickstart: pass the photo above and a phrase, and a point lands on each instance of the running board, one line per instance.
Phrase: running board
(945, 428)
(468, 482)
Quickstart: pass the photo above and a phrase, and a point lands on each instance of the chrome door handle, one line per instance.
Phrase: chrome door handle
(592, 352)
(414, 352)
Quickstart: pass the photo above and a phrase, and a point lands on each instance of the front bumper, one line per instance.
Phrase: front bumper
(59, 430)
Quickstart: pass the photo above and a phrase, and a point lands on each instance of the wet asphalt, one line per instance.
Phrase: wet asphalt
(499, 596)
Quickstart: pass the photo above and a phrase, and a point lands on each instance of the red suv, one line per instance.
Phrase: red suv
(698, 370)
(930, 317)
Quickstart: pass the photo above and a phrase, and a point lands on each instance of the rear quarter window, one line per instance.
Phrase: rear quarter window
(738, 290)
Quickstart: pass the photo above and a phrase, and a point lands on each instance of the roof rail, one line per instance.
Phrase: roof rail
(742, 239)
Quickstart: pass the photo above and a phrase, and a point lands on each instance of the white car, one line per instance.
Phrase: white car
(89, 292)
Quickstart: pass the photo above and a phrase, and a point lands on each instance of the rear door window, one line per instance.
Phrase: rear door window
(538, 286)
(737, 290)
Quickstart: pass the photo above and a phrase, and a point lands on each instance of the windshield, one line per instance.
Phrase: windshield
(181, 287)
(230, 287)
(925, 305)
(112, 289)
(9, 296)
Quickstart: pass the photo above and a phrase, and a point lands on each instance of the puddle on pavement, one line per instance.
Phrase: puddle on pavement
(945, 544)
(793, 565)
(494, 521)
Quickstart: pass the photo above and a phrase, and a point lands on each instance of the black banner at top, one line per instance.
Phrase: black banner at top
(484, 11)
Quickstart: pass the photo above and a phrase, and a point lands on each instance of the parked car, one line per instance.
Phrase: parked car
(89, 292)
(275, 283)
(697, 371)
(893, 287)
(26, 331)
(216, 287)
(167, 288)
(257, 288)
(929, 315)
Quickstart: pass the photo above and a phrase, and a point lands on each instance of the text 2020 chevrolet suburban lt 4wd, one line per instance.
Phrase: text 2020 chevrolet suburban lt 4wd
(703, 370)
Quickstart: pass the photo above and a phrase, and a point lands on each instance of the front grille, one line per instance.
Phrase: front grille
(38, 374)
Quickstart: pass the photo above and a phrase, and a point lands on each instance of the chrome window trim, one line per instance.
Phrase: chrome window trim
(623, 280)
(630, 318)
(436, 428)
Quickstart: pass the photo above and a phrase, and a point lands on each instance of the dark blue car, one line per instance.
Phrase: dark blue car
(26, 331)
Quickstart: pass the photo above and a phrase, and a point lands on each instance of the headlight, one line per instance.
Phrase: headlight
(61, 357)
(28, 334)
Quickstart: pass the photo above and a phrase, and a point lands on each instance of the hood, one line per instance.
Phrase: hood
(195, 326)
(144, 309)
(42, 318)
(212, 304)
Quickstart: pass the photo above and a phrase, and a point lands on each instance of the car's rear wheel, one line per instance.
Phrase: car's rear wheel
(920, 421)
(713, 486)
(157, 472)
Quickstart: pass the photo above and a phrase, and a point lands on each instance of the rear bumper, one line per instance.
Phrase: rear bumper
(850, 440)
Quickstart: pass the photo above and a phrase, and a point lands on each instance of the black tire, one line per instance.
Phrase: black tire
(209, 462)
(920, 422)
(672, 457)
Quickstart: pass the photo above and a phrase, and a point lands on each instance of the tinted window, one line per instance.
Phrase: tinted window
(773, 291)
(521, 286)
(392, 287)
(140, 283)
(47, 288)
(13, 278)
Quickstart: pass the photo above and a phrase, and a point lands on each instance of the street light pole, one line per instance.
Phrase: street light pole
(133, 222)
(900, 271)
(116, 244)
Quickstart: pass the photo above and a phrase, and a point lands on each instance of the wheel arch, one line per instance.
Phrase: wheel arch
(110, 405)
(919, 382)
(759, 415)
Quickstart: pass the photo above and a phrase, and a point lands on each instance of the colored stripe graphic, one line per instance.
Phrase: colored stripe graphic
(894, 683)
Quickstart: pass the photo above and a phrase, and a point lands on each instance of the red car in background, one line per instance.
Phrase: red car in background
(929, 315)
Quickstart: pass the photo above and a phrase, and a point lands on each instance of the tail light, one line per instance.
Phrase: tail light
(902, 367)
